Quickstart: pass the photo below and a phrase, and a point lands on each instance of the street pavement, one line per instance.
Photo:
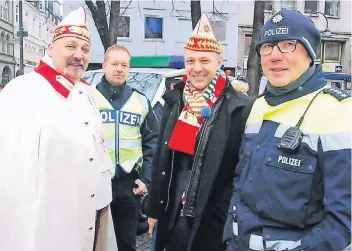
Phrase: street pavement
(144, 242)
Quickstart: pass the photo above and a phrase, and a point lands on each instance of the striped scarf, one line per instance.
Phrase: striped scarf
(196, 100)
(197, 108)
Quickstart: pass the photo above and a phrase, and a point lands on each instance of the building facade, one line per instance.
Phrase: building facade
(335, 50)
(162, 27)
(6, 42)
(39, 20)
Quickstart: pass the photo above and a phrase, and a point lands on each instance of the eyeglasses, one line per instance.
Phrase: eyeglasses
(284, 46)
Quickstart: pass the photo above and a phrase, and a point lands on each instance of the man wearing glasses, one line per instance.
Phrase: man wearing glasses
(292, 188)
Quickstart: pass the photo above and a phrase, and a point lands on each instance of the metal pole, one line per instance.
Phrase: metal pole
(20, 33)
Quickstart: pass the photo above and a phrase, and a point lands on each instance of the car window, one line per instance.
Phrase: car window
(88, 76)
(97, 78)
(146, 83)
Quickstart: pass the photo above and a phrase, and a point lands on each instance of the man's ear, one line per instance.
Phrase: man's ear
(220, 60)
(103, 64)
(50, 50)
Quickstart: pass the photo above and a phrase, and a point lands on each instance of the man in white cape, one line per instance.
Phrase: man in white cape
(55, 173)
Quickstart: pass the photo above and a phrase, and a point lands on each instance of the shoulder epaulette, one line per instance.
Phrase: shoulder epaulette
(134, 89)
(337, 93)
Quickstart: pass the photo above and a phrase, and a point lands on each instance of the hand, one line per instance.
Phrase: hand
(141, 188)
(151, 223)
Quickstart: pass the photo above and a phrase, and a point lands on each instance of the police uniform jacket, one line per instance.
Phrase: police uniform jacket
(118, 96)
(299, 200)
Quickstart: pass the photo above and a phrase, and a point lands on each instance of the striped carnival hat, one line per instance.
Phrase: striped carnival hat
(203, 37)
(73, 25)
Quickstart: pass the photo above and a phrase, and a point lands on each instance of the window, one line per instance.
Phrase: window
(219, 28)
(145, 82)
(310, 6)
(336, 85)
(3, 43)
(40, 30)
(4, 10)
(269, 6)
(153, 27)
(41, 5)
(332, 8)
(288, 4)
(184, 28)
(247, 44)
(8, 44)
(123, 29)
(6, 75)
(332, 51)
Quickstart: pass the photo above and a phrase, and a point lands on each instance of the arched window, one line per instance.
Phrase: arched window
(3, 43)
(6, 75)
(9, 45)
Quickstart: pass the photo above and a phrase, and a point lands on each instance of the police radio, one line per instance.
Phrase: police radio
(293, 136)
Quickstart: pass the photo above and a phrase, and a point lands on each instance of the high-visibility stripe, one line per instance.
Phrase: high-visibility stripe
(280, 245)
(309, 138)
(235, 228)
(336, 141)
(253, 128)
(130, 144)
(256, 243)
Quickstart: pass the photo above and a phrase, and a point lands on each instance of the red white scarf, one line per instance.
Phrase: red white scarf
(197, 108)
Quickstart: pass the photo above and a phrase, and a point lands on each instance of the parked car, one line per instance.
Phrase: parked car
(150, 81)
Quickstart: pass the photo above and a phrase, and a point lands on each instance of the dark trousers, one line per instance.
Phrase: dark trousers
(207, 238)
(125, 208)
(178, 236)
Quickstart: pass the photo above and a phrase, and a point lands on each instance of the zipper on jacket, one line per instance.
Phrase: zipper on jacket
(172, 162)
(195, 161)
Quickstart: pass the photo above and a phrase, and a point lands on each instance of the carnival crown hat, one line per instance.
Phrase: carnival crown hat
(203, 37)
(73, 25)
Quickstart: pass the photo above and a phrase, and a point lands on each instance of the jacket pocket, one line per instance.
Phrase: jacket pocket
(288, 183)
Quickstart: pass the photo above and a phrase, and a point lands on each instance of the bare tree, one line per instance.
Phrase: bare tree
(101, 10)
(195, 12)
(254, 72)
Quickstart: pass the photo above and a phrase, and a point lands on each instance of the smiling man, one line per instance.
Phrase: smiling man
(131, 131)
(197, 150)
(292, 188)
(55, 182)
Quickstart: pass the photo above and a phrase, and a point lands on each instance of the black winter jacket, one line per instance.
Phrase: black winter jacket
(217, 164)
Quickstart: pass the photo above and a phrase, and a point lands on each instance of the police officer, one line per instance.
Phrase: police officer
(292, 188)
(130, 130)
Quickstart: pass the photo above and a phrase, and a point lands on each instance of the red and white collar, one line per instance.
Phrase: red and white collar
(58, 81)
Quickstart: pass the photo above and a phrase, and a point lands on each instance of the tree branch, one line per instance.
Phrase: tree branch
(99, 17)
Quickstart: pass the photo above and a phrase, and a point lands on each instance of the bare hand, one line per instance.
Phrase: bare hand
(151, 223)
(141, 189)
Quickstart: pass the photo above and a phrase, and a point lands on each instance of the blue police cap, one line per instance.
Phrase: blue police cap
(291, 24)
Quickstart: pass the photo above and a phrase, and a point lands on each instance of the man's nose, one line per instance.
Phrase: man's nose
(276, 53)
(78, 54)
(118, 67)
(197, 66)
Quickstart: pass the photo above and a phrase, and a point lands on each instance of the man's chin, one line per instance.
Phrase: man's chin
(74, 76)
